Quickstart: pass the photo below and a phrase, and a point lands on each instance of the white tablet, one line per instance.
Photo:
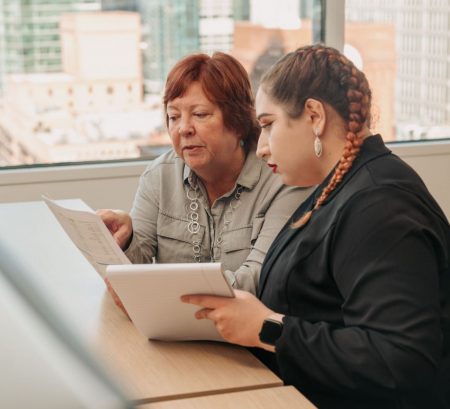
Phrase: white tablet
(151, 295)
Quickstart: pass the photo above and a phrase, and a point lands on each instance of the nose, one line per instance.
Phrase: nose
(185, 127)
(262, 150)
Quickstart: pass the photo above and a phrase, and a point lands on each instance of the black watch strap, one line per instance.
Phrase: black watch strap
(270, 331)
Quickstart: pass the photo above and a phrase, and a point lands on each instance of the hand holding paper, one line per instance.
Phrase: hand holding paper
(90, 235)
(119, 224)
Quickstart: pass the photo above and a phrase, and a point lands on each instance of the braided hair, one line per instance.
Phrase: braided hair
(324, 74)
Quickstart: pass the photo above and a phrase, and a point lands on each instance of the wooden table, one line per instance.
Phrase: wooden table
(156, 370)
(286, 397)
(149, 371)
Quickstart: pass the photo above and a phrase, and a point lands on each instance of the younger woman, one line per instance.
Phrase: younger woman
(354, 294)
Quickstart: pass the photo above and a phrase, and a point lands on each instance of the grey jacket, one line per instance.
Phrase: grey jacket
(160, 217)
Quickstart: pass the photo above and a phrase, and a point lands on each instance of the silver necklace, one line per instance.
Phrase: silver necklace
(194, 226)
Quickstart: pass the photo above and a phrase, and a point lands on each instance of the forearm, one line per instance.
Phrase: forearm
(246, 277)
(144, 215)
(139, 253)
(350, 360)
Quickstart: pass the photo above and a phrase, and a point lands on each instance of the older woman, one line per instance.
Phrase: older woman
(210, 198)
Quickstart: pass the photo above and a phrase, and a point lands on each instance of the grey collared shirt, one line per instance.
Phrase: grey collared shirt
(161, 216)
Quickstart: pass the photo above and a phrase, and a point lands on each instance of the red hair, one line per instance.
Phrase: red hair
(225, 83)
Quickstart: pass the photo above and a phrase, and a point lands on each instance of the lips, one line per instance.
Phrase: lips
(191, 147)
(273, 167)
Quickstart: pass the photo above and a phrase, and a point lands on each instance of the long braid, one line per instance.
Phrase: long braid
(358, 98)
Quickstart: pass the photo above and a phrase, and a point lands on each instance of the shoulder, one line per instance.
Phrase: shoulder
(376, 166)
(382, 192)
(165, 165)
(388, 191)
(391, 178)
(166, 170)
(391, 170)
(169, 158)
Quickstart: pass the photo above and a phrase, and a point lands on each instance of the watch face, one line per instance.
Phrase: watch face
(270, 331)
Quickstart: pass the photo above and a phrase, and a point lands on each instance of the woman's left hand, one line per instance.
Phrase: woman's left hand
(237, 319)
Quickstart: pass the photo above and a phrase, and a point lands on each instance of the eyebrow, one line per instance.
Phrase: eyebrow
(194, 106)
(262, 115)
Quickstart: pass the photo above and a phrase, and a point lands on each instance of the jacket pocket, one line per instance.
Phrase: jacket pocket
(175, 241)
(238, 239)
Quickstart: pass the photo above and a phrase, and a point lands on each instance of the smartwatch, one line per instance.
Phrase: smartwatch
(270, 331)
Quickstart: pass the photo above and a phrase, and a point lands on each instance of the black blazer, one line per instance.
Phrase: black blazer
(365, 287)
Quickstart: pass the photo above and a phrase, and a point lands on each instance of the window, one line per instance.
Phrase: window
(79, 73)
(403, 47)
(82, 82)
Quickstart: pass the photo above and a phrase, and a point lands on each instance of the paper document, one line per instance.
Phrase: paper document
(90, 235)
(151, 295)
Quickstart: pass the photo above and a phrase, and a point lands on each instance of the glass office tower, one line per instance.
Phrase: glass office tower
(30, 34)
(173, 28)
(2, 47)
(126, 5)
(217, 23)
(170, 31)
(423, 45)
(241, 10)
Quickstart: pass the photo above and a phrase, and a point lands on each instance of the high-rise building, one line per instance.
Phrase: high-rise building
(175, 28)
(217, 20)
(29, 32)
(2, 47)
(282, 14)
(91, 110)
(306, 9)
(216, 25)
(258, 47)
(241, 10)
(422, 88)
(170, 31)
(124, 5)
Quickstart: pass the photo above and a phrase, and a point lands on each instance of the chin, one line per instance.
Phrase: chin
(287, 179)
(194, 163)
(290, 180)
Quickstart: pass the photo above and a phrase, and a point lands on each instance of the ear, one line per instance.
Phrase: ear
(315, 114)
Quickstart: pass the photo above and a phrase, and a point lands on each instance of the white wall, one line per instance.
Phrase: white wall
(100, 186)
(432, 162)
(113, 185)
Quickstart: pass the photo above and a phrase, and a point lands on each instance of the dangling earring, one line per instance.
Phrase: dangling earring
(317, 144)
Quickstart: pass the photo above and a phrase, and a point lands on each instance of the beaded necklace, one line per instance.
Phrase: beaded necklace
(193, 226)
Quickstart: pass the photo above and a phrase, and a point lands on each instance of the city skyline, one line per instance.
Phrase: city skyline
(93, 108)
(381, 41)
(29, 34)
(422, 46)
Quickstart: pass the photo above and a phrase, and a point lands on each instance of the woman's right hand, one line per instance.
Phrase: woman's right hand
(119, 224)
